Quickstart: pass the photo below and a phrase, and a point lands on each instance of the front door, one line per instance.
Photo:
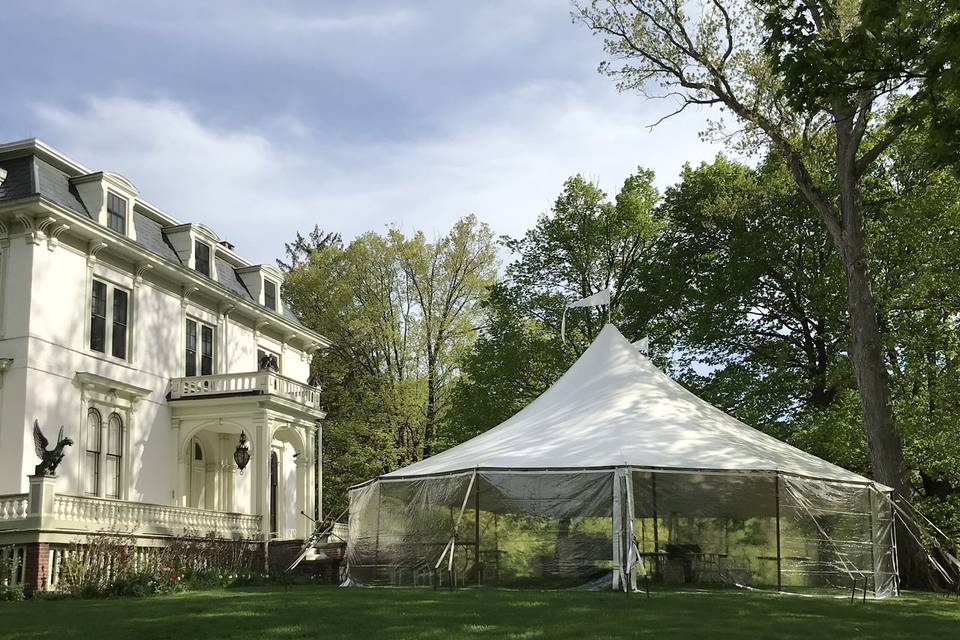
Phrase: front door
(274, 471)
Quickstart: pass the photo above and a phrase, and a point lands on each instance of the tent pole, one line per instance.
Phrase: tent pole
(893, 540)
(476, 549)
(656, 533)
(776, 480)
(617, 533)
(376, 548)
(873, 547)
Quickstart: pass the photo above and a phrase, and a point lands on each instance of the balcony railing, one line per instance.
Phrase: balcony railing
(83, 514)
(98, 514)
(14, 507)
(262, 382)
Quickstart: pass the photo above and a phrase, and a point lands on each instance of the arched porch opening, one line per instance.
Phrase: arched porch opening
(290, 495)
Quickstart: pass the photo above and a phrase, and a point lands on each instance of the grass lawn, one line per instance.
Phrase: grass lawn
(328, 612)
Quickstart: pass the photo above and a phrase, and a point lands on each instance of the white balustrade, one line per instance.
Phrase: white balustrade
(264, 382)
(14, 507)
(98, 514)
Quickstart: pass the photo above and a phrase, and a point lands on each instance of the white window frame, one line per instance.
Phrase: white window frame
(106, 412)
(126, 212)
(210, 257)
(93, 466)
(109, 396)
(276, 295)
(198, 354)
(108, 337)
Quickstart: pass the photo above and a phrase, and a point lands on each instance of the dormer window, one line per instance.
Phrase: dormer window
(270, 295)
(117, 213)
(201, 257)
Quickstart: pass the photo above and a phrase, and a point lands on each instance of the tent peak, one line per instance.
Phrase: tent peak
(613, 407)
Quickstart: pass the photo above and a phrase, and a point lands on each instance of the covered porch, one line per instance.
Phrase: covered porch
(279, 421)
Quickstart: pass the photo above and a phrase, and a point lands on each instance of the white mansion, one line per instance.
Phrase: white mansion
(144, 338)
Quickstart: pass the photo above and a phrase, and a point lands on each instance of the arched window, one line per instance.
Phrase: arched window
(92, 457)
(114, 454)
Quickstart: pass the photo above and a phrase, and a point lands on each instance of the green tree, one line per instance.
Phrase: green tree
(447, 280)
(749, 287)
(513, 360)
(396, 310)
(789, 70)
(586, 243)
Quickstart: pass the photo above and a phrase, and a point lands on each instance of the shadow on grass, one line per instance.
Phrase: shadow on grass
(314, 612)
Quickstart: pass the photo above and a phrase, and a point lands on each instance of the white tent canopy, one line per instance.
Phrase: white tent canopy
(614, 408)
(616, 472)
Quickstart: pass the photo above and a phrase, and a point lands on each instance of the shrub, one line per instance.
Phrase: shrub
(142, 584)
(11, 593)
(109, 564)
(90, 570)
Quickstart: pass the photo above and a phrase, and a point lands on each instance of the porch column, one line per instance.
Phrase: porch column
(182, 466)
(224, 478)
(261, 460)
(303, 464)
(318, 471)
(126, 451)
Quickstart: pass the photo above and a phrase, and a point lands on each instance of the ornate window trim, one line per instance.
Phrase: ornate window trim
(112, 400)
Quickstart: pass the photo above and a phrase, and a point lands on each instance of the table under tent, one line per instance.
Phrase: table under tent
(614, 476)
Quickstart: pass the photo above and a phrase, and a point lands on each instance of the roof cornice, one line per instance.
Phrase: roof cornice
(78, 172)
(183, 274)
(33, 146)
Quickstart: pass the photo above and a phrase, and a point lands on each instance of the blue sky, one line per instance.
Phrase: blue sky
(263, 118)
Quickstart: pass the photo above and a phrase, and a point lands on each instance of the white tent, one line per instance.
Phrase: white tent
(617, 470)
(614, 408)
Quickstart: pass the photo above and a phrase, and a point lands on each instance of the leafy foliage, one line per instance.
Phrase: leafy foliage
(398, 311)
(586, 243)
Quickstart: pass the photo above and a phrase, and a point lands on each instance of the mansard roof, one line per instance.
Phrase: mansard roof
(35, 169)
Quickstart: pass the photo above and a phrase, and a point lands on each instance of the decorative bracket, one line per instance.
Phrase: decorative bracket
(4, 235)
(185, 294)
(53, 237)
(258, 328)
(34, 227)
(93, 250)
(309, 352)
(142, 268)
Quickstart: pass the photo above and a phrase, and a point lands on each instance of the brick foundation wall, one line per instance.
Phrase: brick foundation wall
(36, 565)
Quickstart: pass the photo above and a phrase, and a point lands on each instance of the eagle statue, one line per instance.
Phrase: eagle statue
(49, 459)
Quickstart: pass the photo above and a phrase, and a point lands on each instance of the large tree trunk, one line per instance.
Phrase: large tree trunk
(870, 368)
(429, 426)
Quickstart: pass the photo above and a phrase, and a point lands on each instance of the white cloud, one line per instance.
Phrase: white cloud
(289, 29)
(503, 158)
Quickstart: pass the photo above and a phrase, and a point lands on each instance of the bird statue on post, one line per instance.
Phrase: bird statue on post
(49, 459)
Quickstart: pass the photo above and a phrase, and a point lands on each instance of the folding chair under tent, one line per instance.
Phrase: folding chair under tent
(614, 476)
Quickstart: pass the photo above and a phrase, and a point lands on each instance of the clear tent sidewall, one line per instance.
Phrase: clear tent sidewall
(612, 527)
